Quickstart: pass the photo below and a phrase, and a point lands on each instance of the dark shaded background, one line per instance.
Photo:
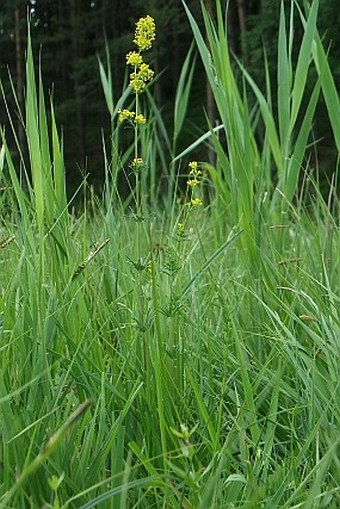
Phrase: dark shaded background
(72, 35)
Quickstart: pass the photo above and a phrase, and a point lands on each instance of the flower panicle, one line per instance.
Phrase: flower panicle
(126, 114)
(192, 183)
(139, 79)
(140, 119)
(194, 202)
(137, 164)
(140, 75)
(145, 33)
(133, 58)
(180, 230)
(131, 117)
(194, 174)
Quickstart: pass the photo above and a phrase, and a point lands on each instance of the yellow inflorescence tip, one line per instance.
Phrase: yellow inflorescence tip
(145, 33)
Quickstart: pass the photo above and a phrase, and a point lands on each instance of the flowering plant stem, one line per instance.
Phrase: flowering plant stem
(137, 191)
(139, 216)
(144, 36)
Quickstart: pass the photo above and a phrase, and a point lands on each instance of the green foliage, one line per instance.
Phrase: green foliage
(187, 359)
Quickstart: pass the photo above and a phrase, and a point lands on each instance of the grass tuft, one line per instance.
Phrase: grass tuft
(168, 352)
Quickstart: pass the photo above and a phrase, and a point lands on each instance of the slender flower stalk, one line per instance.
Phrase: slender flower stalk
(145, 34)
(140, 76)
(193, 183)
(193, 197)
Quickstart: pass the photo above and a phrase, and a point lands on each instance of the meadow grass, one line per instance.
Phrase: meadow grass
(178, 356)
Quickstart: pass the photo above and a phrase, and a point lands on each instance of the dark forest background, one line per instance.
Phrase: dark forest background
(69, 35)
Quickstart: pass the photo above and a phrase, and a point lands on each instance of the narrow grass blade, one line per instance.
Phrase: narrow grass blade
(283, 79)
(232, 237)
(303, 63)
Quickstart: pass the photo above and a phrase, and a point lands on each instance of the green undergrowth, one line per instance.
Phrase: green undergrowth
(174, 356)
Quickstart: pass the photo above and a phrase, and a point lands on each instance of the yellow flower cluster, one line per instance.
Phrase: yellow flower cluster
(194, 168)
(141, 74)
(194, 175)
(193, 182)
(131, 117)
(139, 79)
(194, 202)
(125, 115)
(140, 119)
(137, 164)
(180, 229)
(133, 58)
(145, 33)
